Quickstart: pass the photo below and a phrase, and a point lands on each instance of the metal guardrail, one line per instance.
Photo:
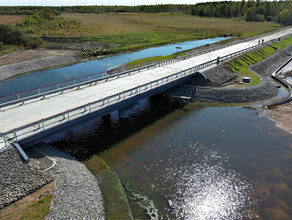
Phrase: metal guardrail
(58, 119)
(4, 142)
(90, 79)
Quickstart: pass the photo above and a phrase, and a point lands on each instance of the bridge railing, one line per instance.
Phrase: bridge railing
(4, 142)
(55, 120)
(55, 88)
(58, 119)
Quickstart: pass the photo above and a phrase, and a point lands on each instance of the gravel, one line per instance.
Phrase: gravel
(262, 91)
(267, 66)
(219, 75)
(8, 71)
(77, 194)
(18, 178)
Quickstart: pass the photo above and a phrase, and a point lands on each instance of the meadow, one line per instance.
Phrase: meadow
(132, 31)
(123, 32)
(11, 19)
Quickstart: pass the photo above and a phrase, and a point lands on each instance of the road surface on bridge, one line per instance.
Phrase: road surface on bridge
(22, 115)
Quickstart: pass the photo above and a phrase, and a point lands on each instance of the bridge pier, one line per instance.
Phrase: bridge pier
(125, 112)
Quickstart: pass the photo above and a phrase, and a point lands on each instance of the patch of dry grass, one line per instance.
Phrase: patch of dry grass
(11, 19)
(33, 207)
(105, 24)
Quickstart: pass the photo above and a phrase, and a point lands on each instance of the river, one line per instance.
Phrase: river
(194, 161)
(50, 76)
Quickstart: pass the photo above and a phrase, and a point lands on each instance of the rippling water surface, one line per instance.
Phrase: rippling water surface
(196, 162)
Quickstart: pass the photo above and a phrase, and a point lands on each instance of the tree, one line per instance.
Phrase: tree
(284, 16)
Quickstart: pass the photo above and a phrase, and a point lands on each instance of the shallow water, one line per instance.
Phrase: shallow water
(50, 76)
(196, 162)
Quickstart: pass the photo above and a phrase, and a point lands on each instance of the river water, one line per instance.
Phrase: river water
(50, 76)
(194, 161)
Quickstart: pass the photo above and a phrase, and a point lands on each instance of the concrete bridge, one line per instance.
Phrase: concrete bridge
(27, 120)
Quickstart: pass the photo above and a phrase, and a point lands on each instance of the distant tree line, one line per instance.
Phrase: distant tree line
(279, 11)
(251, 10)
(29, 10)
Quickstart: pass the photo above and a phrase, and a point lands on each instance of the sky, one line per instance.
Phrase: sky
(92, 2)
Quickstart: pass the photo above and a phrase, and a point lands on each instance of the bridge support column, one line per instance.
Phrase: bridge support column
(125, 112)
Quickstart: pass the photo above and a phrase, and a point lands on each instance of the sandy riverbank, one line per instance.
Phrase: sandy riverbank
(281, 114)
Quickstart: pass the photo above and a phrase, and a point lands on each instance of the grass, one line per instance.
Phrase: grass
(146, 61)
(133, 31)
(178, 24)
(240, 65)
(114, 198)
(124, 32)
(11, 19)
(33, 207)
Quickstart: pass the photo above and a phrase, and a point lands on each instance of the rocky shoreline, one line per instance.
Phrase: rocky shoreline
(18, 178)
(77, 192)
(9, 71)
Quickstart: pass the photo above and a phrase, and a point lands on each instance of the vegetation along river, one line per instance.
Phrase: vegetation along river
(193, 161)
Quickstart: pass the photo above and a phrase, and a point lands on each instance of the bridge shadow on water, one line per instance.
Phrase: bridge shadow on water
(94, 136)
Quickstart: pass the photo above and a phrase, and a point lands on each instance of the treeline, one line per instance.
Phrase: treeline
(29, 10)
(251, 10)
(279, 11)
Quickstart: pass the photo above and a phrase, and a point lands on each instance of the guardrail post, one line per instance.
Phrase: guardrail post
(89, 106)
(17, 96)
(15, 135)
(68, 115)
(4, 138)
(43, 123)
(39, 90)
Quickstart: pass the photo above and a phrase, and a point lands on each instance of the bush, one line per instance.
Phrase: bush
(1, 45)
(269, 18)
(11, 35)
(33, 42)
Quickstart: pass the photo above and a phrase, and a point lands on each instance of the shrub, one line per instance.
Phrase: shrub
(11, 35)
(33, 42)
(1, 45)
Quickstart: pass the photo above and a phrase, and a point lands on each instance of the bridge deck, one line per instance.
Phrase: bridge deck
(38, 110)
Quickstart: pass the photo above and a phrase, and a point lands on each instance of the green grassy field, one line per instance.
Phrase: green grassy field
(132, 31)
(240, 65)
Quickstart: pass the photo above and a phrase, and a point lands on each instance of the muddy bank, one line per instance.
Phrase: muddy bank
(281, 114)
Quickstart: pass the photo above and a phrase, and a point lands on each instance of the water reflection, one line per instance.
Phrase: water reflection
(201, 185)
(196, 162)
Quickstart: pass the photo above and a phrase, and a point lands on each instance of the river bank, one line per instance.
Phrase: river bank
(20, 62)
(76, 195)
